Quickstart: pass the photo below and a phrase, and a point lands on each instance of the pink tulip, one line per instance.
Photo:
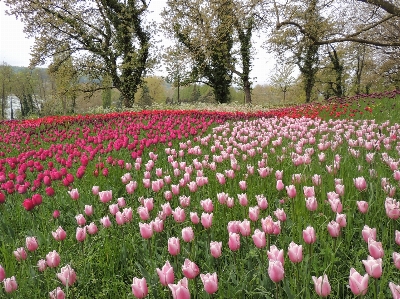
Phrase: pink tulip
(80, 219)
(88, 210)
(397, 237)
(10, 284)
(166, 208)
(375, 249)
(309, 235)
(131, 187)
(243, 199)
(392, 208)
(216, 249)
(279, 185)
(105, 221)
(207, 205)
(194, 218)
(308, 191)
(184, 201)
(179, 214)
(20, 254)
(322, 286)
(146, 230)
(360, 183)
(41, 264)
(234, 241)
(31, 243)
(362, 206)
(81, 234)
(67, 275)
(339, 189)
(254, 213)
(279, 174)
(92, 228)
(95, 190)
(275, 254)
(139, 287)
(121, 202)
(166, 274)
(243, 185)
(190, 269)
(311, 203)
(143, 213)
(187, 234)
(262, 202)
(316, 179)
(358, 284)
(244, 228)
(368, 233)
(396, 260)
(158, 225)
(395, 289)
(180, 290)
(259, 238)
(74, 194)
(373, 267)
(53, 259)
(291, 191)
(275, 270)
(174, 246)
(280, 214)
(210, 282)
(57, 293)
(56, 214)
(336, 205)
(334, 229)
(295, 252)
(341, 219)
(105, 196)
(2, 273)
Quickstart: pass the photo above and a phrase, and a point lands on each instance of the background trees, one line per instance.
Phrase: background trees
(338, 48)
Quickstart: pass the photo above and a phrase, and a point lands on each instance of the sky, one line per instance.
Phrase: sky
(15, 47)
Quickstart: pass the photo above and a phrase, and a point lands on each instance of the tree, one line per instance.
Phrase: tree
(106, 94)
(6, 74)
(283, 78)
(145, 99)
(205, 29)
(106, 37)
(66, 80)
(195, 96)
(25, 88)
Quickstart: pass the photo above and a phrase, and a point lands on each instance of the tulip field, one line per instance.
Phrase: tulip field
(295, 202)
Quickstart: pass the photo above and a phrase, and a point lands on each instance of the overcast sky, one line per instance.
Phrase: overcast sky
(15, 47)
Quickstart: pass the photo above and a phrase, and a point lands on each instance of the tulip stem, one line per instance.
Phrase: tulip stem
(375, 288)
(278, 290)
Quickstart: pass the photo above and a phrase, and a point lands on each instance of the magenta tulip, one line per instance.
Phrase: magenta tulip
(210, 282)
(2, 273)
(322, 286)
(139, 287)
(190, 269)
(166, 274)
(358, 284)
